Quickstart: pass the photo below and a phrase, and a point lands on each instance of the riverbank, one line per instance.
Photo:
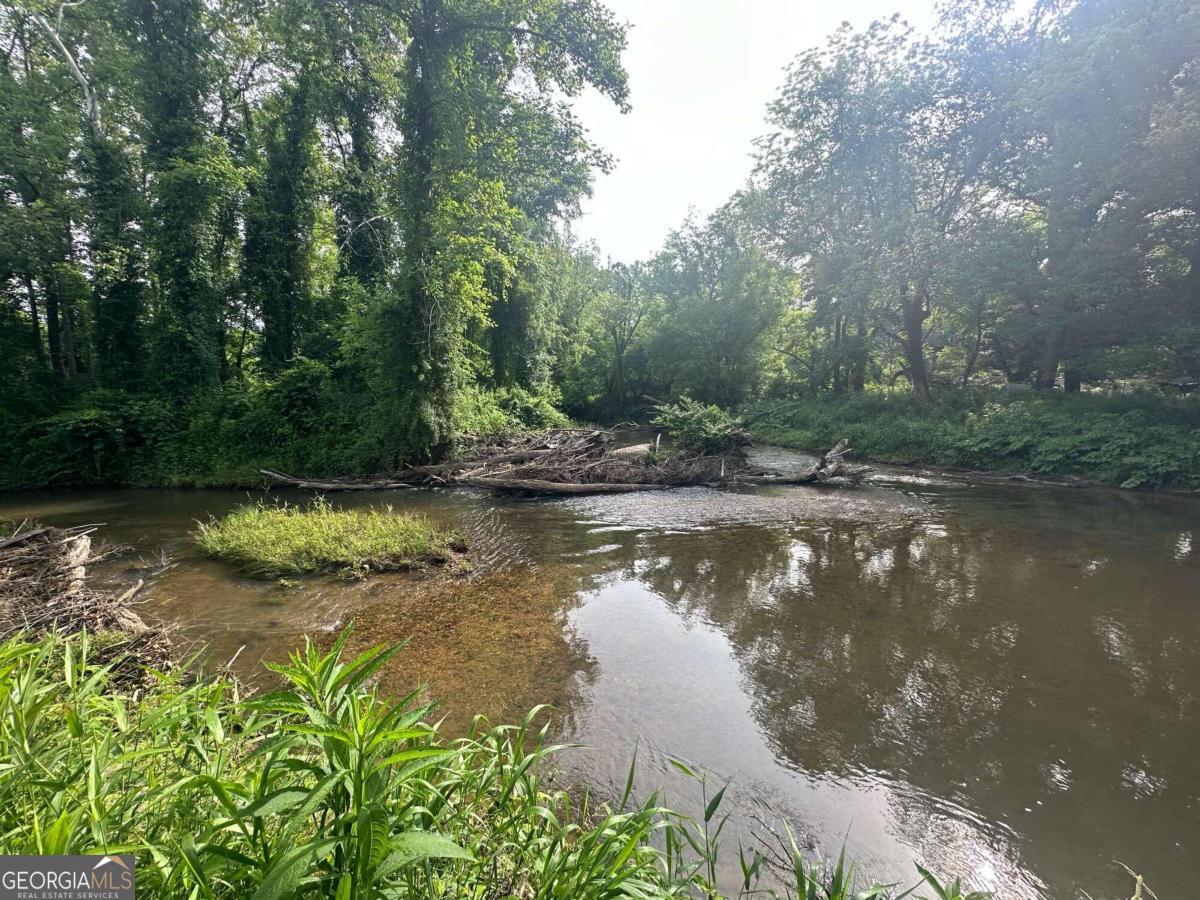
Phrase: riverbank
(1129, 441)
(302, 422)
(1132, 441)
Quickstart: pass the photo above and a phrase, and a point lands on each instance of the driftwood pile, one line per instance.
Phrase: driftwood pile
(44, 587)
(584, 461)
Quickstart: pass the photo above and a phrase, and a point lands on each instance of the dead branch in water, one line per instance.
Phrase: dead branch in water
(44, 587)
(335, 485)
(831, 465)
(583, 461)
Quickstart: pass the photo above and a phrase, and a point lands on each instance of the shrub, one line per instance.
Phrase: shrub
(499, 410)
(697, 428)
(103, 438)
(268, 541)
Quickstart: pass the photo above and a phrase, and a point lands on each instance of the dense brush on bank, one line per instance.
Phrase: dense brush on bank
(1131, 441)
(326, 789)
(304, 421)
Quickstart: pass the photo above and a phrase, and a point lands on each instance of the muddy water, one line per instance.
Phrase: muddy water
(996, 679)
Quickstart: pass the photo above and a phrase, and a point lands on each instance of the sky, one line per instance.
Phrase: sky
(701, 73)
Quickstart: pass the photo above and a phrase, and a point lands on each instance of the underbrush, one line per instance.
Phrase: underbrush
(308, 420)
(700, 429)
(504, 410)
(1132, 441)
(325, 789)
(265, 541)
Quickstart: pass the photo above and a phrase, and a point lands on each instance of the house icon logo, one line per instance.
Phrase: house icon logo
(111, 860)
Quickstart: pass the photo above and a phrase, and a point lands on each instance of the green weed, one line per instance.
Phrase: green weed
(324, 788)
(1133, 441)
(271, 541)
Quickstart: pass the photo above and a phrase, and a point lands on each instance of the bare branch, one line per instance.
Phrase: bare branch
(90, 97)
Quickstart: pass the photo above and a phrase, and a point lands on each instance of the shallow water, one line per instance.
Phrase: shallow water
(993, 679)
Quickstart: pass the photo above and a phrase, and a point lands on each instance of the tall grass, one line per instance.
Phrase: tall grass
(325, 789)
(265, 540)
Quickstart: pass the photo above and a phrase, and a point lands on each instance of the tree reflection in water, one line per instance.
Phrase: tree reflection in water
(997, 680)
(1008, 683)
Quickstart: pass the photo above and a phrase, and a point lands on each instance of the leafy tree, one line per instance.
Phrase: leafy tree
(190, 171)
(873, 164)
(465, 61)
(279, 223)
(721, 295)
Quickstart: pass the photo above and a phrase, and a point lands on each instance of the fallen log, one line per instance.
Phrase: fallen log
(830, 465)
(633, 450)
(347, 485)
(539, 486)
(580, 461)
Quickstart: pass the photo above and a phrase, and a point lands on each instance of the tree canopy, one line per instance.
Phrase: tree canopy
(345, 224)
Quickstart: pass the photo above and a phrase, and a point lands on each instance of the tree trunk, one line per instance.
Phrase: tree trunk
(282, 232)
(1047, 367)
(177, 82)
(858, 366)
(117, 292)
(70, 353)
(421, 328)
(914, 343)
(973, 355)
(35, 320)
(837, 354)
(54, 329)
(366, 233)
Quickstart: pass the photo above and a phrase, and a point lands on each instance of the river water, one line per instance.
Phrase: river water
(994, 679)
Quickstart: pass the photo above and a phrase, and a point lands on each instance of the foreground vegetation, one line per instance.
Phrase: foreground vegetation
(1133, 442)
(266, 541)
(326, 789)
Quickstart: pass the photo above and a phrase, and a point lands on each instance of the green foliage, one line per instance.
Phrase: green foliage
(197, 196)
(702, 429)
(721, 297)
(329, 234)
(952, 891)
(1138, 441)
(990, 200)
(303, 421)
(267, 541)
(483, 411)
(695, 319)
(465, 220)
(104, 439)
(280, 217)
(322, 789)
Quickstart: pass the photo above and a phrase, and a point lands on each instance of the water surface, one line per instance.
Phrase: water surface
(992, 679)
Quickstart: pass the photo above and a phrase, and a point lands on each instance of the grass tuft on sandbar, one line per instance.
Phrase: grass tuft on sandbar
(270, 541)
